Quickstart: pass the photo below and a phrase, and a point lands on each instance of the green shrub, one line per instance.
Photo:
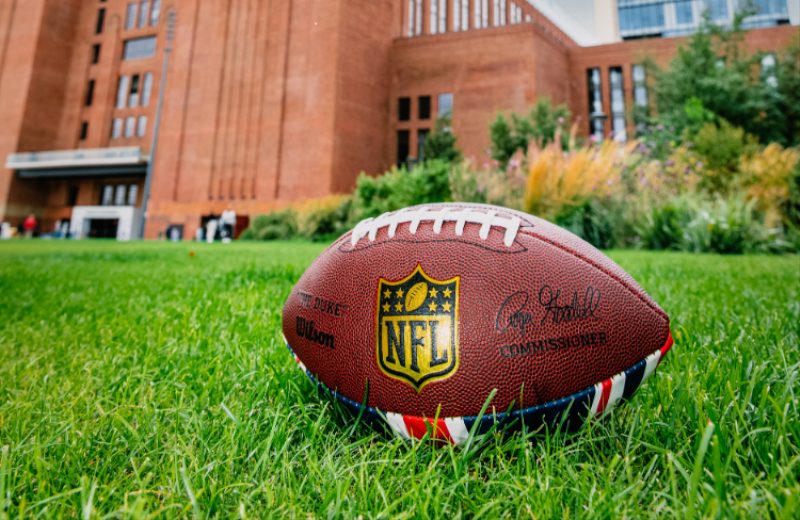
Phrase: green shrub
(398, 188)
(721, 147)
(590, 221)
(273, 226)
(540, 126)
(727, 226)
(663, 229)
(441, 143)
(323, 219)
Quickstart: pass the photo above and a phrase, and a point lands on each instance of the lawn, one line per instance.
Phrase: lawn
(149, 378)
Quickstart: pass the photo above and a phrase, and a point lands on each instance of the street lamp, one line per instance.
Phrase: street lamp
(148, 179)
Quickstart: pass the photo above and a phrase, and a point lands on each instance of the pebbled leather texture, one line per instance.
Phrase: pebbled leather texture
(539, 320)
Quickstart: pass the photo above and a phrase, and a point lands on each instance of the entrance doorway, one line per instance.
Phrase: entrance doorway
(103, 228)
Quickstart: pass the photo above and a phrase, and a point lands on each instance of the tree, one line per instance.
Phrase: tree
(441, 143)
(539, 126)
(788, 78)
(714, 69)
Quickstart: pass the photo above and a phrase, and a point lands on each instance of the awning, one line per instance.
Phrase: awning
(97, 162)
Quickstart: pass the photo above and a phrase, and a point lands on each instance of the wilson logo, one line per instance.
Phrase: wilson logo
(417, 328)
(308, 330)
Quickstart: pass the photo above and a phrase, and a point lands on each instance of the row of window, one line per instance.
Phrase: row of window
(135, 90)
(141, 13)
(131, 126)
(119, 195)
(445, 107)
(638, 18)
(616, 82)
(505, 12)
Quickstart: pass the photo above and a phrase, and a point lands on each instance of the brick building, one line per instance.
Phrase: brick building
(272, 101)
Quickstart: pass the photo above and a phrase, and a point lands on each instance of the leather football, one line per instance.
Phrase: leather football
(444, 319)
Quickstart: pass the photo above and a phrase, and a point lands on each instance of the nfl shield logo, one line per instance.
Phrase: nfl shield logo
(417, 328)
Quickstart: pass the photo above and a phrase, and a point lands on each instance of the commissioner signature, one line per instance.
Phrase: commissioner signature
(513, 315)
(576, 309)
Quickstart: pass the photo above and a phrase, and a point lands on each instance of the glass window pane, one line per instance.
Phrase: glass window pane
(142, 128)
(119, 196)
(130, 126)
(147, 89)
(683, 12)
(133, 192)
(717, 9)
(424, 107)
(144, 11)
(156, 12)
(122, 91)
(445, 104)
(421, 136)
(130, 16)
(107, 195)
(133, 100)
(116, 129)
(139, 48)
(404, 109)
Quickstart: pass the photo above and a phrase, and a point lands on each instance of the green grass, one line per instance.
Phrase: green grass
(138, 380)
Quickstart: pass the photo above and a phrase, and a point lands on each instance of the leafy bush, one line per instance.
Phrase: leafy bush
(540, 127)
(441, 143)
(767, 177)
(325, 218)
(490, 186)
(663, 229)
(557, 178)
(277, 225)
(398, 188)
(728, 226)
(590, 221)
(720, 147)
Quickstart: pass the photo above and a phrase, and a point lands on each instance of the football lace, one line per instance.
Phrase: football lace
(488, 219)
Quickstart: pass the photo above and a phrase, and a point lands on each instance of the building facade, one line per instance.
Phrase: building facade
(266, 102)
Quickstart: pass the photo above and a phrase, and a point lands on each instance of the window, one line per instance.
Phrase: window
(147, 89)
(422, 135)
(101, 21)
(442, 15)
(403, 146)
(130, 16)
(596, 115)
(130, 126)
(404, 109)
(768, 70)
(133, 98)
(156, 12)
(72, 195)
(90, 93)
(684, 12)
(434, 6)
(499, 12)
(84, 130)
(106, 195)
(414, 17)
(133, 192)
(139, 48)
(438, 16)
(445, 105)
(617, 87)
(144, 11)
(481, 13)
(141, 128)
(639, 85)
(119, 195)
(95, 53)
(116, 128)
(516, 14)
(424, 107)
(460, 15)
(122, 91)
(717, 9)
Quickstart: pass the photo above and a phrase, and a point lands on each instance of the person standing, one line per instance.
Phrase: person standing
(29, 225)
(228, 221)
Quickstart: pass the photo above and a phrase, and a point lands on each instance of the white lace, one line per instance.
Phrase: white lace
(487, 219)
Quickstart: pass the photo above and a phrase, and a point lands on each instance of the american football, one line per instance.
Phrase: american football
(443, 319)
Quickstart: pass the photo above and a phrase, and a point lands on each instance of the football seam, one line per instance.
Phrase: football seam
(661, 314)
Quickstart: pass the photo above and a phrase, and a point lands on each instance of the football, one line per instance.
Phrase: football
(444, 319)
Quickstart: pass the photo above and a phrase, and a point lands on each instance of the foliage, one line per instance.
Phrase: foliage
(720, 147)
(788, 92)
(540, 127)
(398, 188)
(278, 225)
(504, 187)
(558, 178)
(441, 143)
(323, 219)
(169, 393)
(714, 68)
(589, 220)
(767, 177)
